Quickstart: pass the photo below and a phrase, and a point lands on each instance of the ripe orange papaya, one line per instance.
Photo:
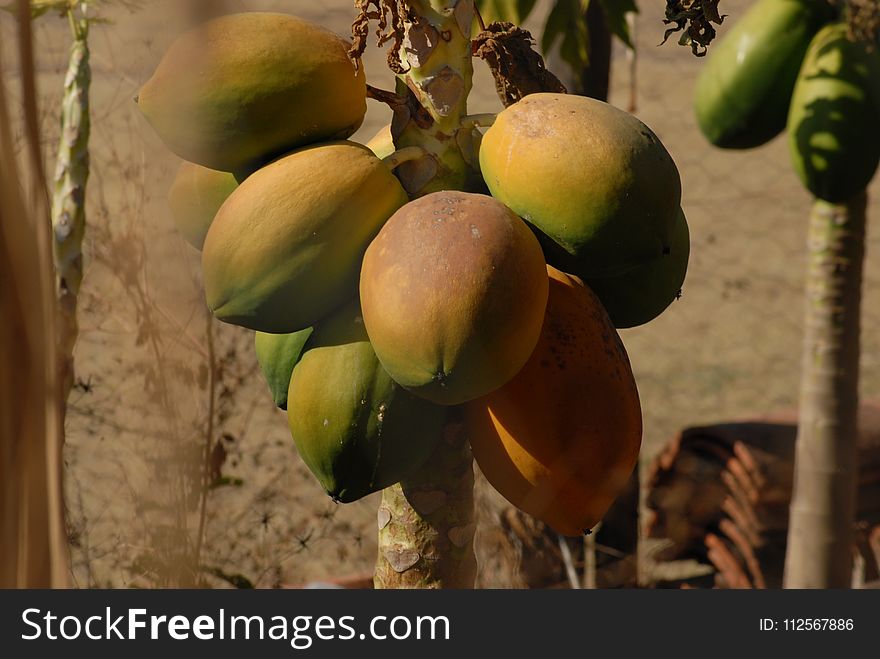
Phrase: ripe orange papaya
(598, 186)
(561, 439)
(285, 249)
(834, 120)
(244, 88)
(195, 196)
(640, 295)
(354, 427)
(453, 291)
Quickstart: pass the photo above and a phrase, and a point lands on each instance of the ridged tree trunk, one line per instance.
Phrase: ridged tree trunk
(426, 525)
(819, 551)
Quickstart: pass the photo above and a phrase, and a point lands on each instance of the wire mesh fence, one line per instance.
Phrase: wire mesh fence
(151, 365)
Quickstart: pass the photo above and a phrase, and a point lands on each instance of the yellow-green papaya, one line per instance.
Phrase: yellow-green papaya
(640, 295)
(598, 186)
(561, 439)
(354, 427)
(453, 291)
(743, 91)
(277, 354)
(244, 88)
(382, 143)
(834, 121)
(195, 196)
(285, 249)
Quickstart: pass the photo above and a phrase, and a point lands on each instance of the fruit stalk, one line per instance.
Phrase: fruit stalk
(823, 501)
(426, 525)
(69, 194)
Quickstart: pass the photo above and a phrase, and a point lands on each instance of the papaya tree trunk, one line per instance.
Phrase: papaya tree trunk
(426, 526)
(69, 195)
(819, 549)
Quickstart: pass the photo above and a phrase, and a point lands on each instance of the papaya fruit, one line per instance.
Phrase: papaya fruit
(598, 186)
(195, 196)
(743, 92)
(241, 89)
(354, 427)
(453, 291)
(285, 249)
(560, 440)
(834, 121)
(640, 295)
(382, 144)
(277, 354)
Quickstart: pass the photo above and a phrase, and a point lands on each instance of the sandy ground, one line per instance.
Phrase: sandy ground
(728, 349)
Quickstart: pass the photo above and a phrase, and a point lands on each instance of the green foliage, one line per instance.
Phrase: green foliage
(515, 11)
(567, 21)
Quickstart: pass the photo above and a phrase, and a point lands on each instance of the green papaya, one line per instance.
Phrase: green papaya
(195, 196)
(834, 122)
(285, 249)
(241, 89)
(597, 185)
(640, 295)
(354, 427)
(277, 354)
(744, 89)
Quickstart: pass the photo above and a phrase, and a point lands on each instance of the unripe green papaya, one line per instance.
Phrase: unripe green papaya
(241, 89)
(640, 295)
(354, 427)
(598, 186)
(195, 196)
(454, 290)
(744, 89)
(277, 354)
(285, 249)
(834, 122)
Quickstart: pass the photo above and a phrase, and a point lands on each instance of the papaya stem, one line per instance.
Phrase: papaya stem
(426, 523)
(407, 154)
(69, 194)
(436, 80)
(384, 96)
(485, 120)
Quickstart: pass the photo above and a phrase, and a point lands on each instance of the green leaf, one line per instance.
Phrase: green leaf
(515, 11)
(567, 20)
(615, 18)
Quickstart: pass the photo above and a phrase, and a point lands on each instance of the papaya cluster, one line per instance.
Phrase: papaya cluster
(789, 66)
(376, 315)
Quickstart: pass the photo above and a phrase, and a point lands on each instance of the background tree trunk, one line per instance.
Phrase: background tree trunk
(33, 543)
(69, 194)
(823, 503)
